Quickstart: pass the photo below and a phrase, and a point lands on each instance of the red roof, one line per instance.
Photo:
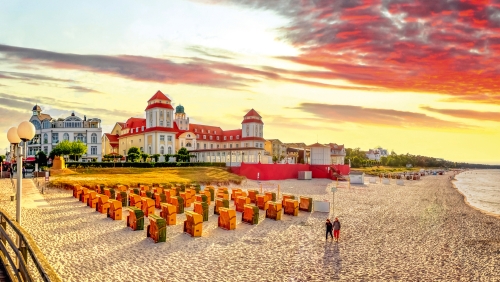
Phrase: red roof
(159, 105)
(252, 120)
(339, 147)
(159, 96)
(113, 138)
(198, 128)
(135, 122)
(252, 112)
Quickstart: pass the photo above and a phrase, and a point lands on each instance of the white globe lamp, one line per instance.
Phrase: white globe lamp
(26, 131)
(12, 136)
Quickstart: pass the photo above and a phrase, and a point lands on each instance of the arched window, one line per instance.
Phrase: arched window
(80, 137)
(169, 150)
(45, 138)
(162, 150)
(93, 138)
(188, 144)
(66, 136)
(46, 124)
(37, 124)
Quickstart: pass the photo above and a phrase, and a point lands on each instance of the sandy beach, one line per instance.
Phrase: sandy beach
(421, 231)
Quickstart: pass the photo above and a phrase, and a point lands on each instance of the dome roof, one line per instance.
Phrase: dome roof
(37, 108)
(179, 109)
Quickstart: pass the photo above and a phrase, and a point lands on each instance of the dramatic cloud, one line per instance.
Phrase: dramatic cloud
(138, 68)
(469, 114)
(448, 47)
(82, 89)
(379, 117)
(30, 77)
(484, 98)
(25, 104)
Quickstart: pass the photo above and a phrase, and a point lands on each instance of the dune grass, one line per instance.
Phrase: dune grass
(132, 176)
(384, 169)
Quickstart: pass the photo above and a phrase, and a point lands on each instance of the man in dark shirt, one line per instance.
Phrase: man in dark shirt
(329, 228)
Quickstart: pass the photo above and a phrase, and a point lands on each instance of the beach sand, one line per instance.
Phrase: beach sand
(421, 231)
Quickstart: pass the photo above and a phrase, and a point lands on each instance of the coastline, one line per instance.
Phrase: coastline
(488, 213)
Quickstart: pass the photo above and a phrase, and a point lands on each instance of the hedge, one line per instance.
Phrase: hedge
(140, 165)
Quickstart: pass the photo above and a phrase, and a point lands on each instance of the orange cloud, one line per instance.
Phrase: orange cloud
(469, 114)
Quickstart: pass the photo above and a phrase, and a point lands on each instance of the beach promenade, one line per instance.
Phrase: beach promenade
(420, 231)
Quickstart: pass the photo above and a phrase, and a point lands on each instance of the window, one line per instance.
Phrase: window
(224, 146)
(169, 138)
(161, 122)
(198, 136)
(140, 140)
(230, 137)
(182, 144)
(204, 146)
(142, 149)
(209, 131)
(162, 137)
(45, 150)
(131, 141)
(132, 130)
(46, 124)
(93, 150)
(196, 130)
(137, 129)
(93, 138)
(142, 128)
(237, 137)
(225, 138)
(246, 144)
(188, 144)
(204, 137)
(230, 145)
(211, 146)
(149, 150)
(197, 145)
(55, 138)
(37, 124)
(210, 137)
(162, 150)
(169, 150)
(215, 132)
(217, 138)
(80, 137)
(45, 138)
(202, 131)
(237, 145)
(217, 146)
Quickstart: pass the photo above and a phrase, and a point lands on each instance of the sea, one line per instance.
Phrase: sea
(481, 188)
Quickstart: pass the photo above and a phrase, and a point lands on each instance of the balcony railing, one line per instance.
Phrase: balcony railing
(16, 257)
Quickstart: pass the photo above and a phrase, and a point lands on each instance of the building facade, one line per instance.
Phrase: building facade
(376, 154)
(164, 131)
(49, 132)
(275, 148)
(337, 153)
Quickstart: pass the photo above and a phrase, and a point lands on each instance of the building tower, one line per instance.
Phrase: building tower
(180, 118)
(159, 112)
(252, 125)
(37, 110)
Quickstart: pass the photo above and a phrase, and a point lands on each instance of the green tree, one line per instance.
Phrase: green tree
(183, 155)
(156, 157)
(2, 158)
(133, 154)
(144, 157)
(41, 159)
(78, 148)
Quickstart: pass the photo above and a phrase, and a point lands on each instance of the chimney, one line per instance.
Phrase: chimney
(84, 118)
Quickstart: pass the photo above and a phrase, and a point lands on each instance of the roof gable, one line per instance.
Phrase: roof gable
(159, 96)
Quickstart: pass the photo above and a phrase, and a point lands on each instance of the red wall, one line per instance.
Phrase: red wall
(285, 171)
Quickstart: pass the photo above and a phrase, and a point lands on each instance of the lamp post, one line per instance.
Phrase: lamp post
(259, 157)
(24, 132)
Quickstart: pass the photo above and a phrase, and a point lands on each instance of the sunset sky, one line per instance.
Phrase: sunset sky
(416, 76)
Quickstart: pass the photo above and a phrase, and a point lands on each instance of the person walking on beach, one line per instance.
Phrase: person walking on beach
(329, 228)
(336, 229)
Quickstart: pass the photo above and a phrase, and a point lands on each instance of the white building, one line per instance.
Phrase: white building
(164, 131)
(376, 154)
(320, 154)
(49, 132)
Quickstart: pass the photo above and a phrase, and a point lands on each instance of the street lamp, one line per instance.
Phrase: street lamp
(259, 157)
(24, 132)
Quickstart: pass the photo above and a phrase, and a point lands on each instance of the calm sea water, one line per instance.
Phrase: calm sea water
(481, 188)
